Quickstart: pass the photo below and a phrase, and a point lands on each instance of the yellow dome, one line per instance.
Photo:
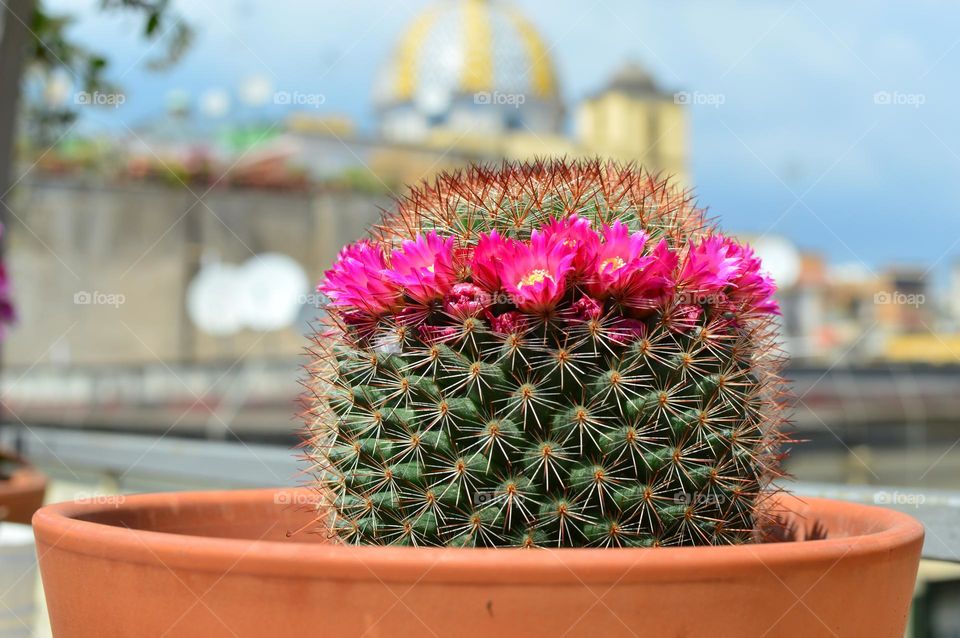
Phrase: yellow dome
(465, 48)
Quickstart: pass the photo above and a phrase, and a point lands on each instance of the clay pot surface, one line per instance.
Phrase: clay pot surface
(21, 494)
(213, 564)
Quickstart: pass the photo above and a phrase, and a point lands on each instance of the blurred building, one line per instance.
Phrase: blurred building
(953, 296)
(472, 80)
(851, 312)
(467, 81)
(472, 67)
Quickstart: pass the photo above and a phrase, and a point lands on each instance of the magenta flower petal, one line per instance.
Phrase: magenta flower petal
(626, 331)
(617, 261)
(720, 271)
(709, 268)
(466, 300)
(535, 273)
(575, 233)
(509, 322)
(753, 289)
(637, 281)
(355, 283)
(424, 268)
(487, 256)
(586, 308)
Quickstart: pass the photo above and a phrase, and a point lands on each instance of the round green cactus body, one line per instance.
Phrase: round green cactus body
(511, 422)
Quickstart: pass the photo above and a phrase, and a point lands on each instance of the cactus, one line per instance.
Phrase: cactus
(547, 354)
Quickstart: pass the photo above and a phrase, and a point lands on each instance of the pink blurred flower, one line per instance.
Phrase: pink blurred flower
(8, 313)
(635, 280)
(575, 233)
(535, 273)
(424, 267)
(709, 268)
(508, 322)
(587, 308)
(466, 300)
(685, 317)
(356, 284)
(487, 256)
(628, 330)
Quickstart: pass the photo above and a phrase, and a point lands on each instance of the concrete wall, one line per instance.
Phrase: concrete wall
(133, 248)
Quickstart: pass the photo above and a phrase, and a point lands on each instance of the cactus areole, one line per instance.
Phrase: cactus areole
(546, 355)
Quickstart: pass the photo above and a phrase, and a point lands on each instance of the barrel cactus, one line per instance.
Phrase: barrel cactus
(548, 354)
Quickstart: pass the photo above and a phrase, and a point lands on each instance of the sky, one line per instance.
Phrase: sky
(831, 123)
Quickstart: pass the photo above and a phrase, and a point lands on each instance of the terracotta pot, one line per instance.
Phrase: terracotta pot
(221, 564)
(22, 492)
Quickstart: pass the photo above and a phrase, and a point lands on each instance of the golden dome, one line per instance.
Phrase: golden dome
(468, 48)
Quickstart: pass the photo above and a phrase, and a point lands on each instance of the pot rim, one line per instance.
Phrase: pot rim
(62, 526)
(25, 478)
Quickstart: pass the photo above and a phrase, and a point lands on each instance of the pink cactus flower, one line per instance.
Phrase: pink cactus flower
(8, 313)
(487, 256)
(661, 283)
(626, 331)
(423, 268)
(466, 300)
(617, 260)
(507, 323)
(637, 281)
(710, 267)
(535, 273)
(586, 308)
(685, 317)
(753, 289)
(356, 284)
(575, 233)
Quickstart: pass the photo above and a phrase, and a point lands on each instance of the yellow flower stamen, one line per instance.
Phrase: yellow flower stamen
(616, 262)
(534, 277)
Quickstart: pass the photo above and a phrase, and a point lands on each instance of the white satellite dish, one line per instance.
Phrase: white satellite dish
(780, 258)
(215, 103)
(272, 290)
(213, 304)
(256, 90)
